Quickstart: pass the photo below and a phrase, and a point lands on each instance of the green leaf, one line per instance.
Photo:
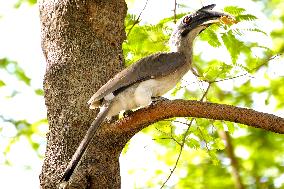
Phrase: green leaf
(214, 158)
(234, 10)
(230, 126)
(39, 92)
(20, 2)
(237, 31)
(13, 68)
(3, 63)
(2, 83)
(233, 45)
(245, 17)
(219, 125)
(36, 124)
(192, 143)
(257, 30)
(218, 144)
(216, 69)
(20, 74)
(144, 40)
(211, 37)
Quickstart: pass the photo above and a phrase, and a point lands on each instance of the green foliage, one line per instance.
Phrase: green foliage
(204, 159)
(276, 90)
(246, 17)
(216, 69)
(238, 13)
(242, 31)
(24, 129)
(233, 45)
(143, 40)
(39, 92)
(232, 38)
(2, 83)
(13, 68)
(20, 2)
(211, 37)
(234, 10)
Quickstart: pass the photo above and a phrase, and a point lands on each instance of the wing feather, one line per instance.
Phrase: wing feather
(153, 66)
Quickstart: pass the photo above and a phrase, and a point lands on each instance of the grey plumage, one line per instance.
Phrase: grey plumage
(151, 67)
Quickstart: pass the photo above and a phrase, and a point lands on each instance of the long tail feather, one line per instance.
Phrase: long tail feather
(86, 141)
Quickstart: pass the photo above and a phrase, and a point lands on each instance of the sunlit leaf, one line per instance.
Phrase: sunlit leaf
(2, 83)
(230, 126)
(234, 10)
(233, 45)
(246, 17)
(39, 92)
(192, 143)
(13, 68)
(20, 2)
(218, 144)
(211, 37)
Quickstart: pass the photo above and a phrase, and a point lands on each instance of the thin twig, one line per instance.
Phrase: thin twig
(274, 57)
(266, 61)
(215, 81)
(179, 155)
(220, 80)
(237, 76)
(206, 92)
(137, 20)
(186, 133)
(170, 136)
(176, 121)
(163, 138)
(175, 12)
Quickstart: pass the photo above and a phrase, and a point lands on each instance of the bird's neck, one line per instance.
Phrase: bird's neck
(186, 47)
(184, 44)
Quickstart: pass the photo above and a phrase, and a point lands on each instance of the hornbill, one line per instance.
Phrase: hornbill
(149, 77)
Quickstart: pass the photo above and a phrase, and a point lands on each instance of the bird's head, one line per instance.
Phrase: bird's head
(193, 24)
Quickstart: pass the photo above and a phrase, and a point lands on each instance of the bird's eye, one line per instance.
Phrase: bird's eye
(186, 20)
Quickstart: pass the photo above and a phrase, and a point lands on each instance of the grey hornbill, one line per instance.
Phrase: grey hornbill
(150, 77)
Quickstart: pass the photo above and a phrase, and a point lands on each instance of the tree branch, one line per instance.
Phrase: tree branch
(191, 108)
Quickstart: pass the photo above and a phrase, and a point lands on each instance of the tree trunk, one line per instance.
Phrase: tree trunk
(82, 44)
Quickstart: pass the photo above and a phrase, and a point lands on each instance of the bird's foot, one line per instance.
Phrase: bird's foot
(158, 99)
(127, 113)
(112, 119)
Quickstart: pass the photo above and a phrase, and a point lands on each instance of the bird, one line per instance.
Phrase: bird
(148, 78)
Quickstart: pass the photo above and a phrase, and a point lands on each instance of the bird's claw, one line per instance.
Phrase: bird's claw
(158, 99)
(112, 119)
(127, 113)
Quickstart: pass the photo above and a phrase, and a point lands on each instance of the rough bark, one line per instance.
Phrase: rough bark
(81, 41)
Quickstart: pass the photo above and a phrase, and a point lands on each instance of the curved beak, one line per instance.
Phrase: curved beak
(205, 17)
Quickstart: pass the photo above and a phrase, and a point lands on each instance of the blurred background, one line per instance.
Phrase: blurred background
(243, 62)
